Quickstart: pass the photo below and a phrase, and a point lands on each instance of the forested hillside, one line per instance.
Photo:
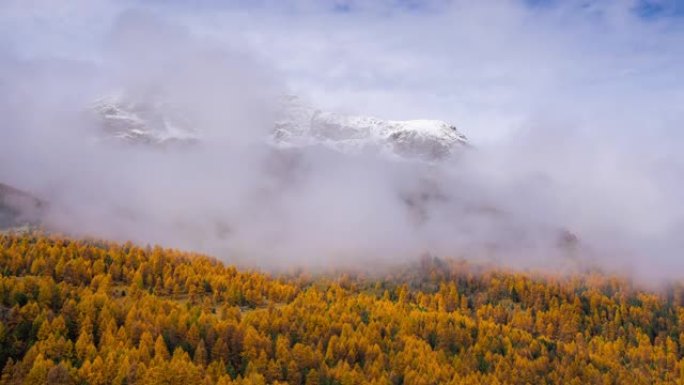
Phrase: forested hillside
(92, 312)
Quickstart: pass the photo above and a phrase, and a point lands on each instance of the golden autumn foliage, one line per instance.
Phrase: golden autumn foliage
(92, 312)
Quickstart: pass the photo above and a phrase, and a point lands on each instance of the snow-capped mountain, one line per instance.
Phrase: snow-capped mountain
(297, 125)
(301, 125)
(153, 123)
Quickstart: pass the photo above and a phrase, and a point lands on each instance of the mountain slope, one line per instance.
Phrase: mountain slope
(18, 208)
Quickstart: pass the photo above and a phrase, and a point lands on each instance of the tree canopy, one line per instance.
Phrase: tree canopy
(94, 312)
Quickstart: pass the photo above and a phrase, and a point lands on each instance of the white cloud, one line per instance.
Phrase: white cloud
(575, 108)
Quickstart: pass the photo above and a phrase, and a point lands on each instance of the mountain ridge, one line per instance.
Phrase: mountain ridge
(298, 124)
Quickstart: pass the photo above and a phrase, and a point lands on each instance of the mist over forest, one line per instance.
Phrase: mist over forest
(571, 113)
